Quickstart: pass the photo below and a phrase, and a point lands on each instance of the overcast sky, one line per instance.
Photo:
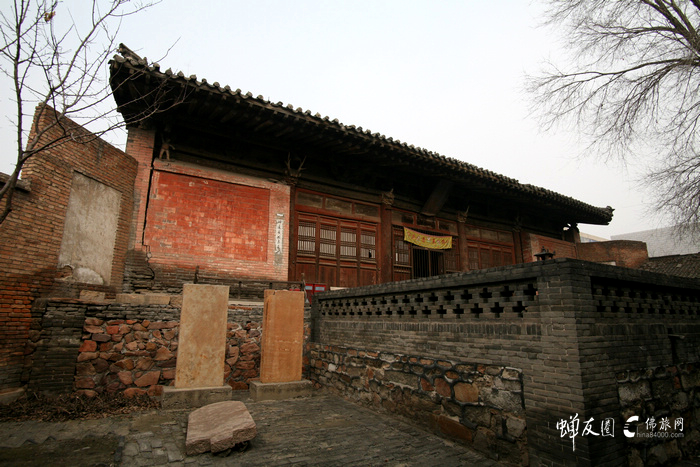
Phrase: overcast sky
(447, 76)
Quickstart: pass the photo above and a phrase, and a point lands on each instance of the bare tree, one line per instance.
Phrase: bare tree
(57, 64)
(633, 88)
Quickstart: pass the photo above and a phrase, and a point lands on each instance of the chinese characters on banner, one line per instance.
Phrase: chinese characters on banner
(432, 242)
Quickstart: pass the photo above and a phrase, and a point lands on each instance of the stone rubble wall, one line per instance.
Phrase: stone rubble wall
(652, 394)
(139, 357)
(474, 403)
(93, 347)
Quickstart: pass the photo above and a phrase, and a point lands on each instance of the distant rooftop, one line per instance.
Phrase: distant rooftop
(675, 265)
(663, 242)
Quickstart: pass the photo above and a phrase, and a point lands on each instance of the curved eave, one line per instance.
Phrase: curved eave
(132, 78)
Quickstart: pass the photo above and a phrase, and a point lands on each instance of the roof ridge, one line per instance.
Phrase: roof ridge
(128, 56)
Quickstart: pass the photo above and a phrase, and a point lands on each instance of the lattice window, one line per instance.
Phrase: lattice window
(508, 301)
(368, 245)
(473, 258)
(402, 256)
(348, 243)
(631, 298)
(327, 239)
(306, 243)
(485, 256)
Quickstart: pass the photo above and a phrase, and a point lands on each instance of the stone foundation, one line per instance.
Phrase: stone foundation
(471, 402)
(98, 347)
(656, 394)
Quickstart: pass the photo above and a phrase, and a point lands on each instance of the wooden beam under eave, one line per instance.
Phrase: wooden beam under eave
(437, 198)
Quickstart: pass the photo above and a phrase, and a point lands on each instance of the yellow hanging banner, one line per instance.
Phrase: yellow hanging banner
(432, 242)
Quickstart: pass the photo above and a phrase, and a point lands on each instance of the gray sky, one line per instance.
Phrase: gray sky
(446, 76)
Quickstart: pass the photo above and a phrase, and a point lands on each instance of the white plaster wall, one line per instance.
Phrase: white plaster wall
(90, 231)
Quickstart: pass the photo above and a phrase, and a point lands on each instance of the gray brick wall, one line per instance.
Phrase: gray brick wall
(568, 326)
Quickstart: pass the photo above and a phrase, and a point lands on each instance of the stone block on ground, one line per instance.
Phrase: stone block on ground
(278, 391)
(218, 427)
(188, 398)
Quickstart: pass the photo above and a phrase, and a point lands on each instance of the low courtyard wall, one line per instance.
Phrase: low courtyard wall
(90, 347)
(541, 363)
(560, 362)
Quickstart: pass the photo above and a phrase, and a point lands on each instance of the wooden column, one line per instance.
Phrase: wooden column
(292, 182)
(463, 247)
(386, 243)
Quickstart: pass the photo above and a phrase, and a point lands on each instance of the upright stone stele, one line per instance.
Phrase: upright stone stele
(199, 371)
(282, 347)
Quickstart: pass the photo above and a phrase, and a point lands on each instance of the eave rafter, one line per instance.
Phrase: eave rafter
(231, 113)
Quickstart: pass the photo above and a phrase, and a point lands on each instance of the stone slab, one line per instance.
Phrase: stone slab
(218, 427)
(202, 342)
(260, 391)
(282, 337)
(188, 398)
(92, 295)
(143, 299)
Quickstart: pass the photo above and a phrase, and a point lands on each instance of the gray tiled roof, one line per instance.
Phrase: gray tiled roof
(333, 129)
(676, 265)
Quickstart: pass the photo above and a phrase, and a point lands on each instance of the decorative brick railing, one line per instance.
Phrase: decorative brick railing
(504, 299)
(570, 328)
(635, 298)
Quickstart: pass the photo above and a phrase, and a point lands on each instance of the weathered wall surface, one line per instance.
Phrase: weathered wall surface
(95, 347)
(91, 225)
(662, 398)
(625, 253)
(474, 403)
(190, 218)
(30, 238)
(533, 244)
(569, 327)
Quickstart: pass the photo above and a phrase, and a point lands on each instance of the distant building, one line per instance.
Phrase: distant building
(663, 242)
(588, 238)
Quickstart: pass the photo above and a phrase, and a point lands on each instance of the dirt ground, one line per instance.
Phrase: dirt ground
(72, 407)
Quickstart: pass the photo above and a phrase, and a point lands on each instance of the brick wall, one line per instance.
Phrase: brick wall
(206, 221)
(30, 238)
(139, 145)
(570, 328)
(533, 244)
(190, 218)
(625, 253)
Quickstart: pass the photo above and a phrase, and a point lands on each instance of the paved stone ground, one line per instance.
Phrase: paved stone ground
(318, 430)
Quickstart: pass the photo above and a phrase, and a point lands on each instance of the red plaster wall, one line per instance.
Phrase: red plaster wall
(198, 217)
(216, 220)
(30, 238)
